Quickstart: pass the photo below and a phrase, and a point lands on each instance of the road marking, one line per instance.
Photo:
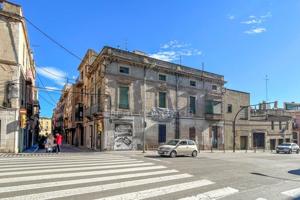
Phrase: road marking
(68, 169)
(76, 174)
(62, 165)
(80, 181)
(214, 194)
(58, 160)
(159, 191)
(97, 188)
(158, 160)
(292, 193)
(29, 164)
(261, 198)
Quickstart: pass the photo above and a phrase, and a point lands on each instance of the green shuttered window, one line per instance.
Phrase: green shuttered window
(124, 97)
(162, 100)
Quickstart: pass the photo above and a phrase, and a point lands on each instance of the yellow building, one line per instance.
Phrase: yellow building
(45, 126)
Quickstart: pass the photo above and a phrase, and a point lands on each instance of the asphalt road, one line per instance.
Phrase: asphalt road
(132, 175)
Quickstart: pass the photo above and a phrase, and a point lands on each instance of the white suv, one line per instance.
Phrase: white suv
(178, 147)
(287, 148)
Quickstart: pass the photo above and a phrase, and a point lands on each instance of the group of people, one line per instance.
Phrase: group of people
(53, 143)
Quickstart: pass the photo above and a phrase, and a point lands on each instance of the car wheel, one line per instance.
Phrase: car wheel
(173, 154)
(277, 151)
(290, 151)
(297, 151)
(194, 153)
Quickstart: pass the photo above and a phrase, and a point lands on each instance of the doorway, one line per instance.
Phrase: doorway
(214, 140)
(192, 133)
(162, 133)
(244, 142)
(272, 144)
(259, 140)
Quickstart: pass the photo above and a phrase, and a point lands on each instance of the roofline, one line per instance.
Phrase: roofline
(145, 56)
(238, 91)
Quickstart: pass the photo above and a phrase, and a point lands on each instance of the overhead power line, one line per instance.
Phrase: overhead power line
(47, 91)
(64, 77)
(52, 39)
(46, 100)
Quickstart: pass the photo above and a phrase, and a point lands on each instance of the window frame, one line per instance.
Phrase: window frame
(195, 109)
(166, 105)
(121, 66)
(229, 106)
(214, 87)
(162, 75)
(193, 82)
(119, 96)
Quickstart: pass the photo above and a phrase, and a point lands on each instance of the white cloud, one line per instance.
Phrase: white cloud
(172, 50)
(256, 21)
(173, 44)
(256, 30)
(58, 76)
(252, 21)
(231, 17)
(50, 88)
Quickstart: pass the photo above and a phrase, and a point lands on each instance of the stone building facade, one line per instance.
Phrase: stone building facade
(262, 127)
(129, 101)
(129, 96)
(19, 106)
(45, 126)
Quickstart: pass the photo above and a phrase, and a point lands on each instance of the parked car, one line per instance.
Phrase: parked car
(287, 148)
(177, 147)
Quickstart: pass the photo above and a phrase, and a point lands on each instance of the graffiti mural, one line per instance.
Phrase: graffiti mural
(123, 137)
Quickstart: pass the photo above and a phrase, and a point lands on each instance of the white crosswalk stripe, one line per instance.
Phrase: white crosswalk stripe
(292, 193)
(159, 191)
(82, 175)
(73, 169)
(214, 194)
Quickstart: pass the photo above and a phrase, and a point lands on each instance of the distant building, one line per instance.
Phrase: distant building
(45, 126)
(19, 106)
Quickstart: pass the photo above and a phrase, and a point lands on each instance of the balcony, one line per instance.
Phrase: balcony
(213, 110)
(269, 115)
(78, 112)
(87, 112)
(213, 116)
(96, 109)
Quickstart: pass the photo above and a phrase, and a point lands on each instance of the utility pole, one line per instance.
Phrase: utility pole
(144, 110)
(266, 79)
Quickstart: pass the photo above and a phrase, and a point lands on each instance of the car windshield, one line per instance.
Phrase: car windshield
(173, 142)
(285, 144)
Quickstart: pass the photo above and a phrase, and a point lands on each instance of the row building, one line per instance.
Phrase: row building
(19, 105)
(129, 101)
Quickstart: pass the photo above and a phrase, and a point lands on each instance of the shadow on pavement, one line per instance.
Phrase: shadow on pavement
(295, 172)
(280, 178)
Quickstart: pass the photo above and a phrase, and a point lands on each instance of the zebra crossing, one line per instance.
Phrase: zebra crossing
(103, 177)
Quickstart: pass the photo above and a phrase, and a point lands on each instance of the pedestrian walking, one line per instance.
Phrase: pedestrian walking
(49, 143)
(58, 142)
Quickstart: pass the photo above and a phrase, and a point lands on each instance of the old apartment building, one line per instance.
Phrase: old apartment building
(45, 126)
(127, 101)
(19, 106)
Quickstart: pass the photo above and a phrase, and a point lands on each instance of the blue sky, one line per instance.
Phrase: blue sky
(242, 40)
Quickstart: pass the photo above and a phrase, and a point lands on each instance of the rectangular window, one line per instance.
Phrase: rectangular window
(280, 126)
(124, 70)
(124, 97)
(272, 125)
(214, 87)
(287, 125)
(162, 100)
(229, 108)
(162, 77)
(192, 105)
(162, 133)
(193, 83)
